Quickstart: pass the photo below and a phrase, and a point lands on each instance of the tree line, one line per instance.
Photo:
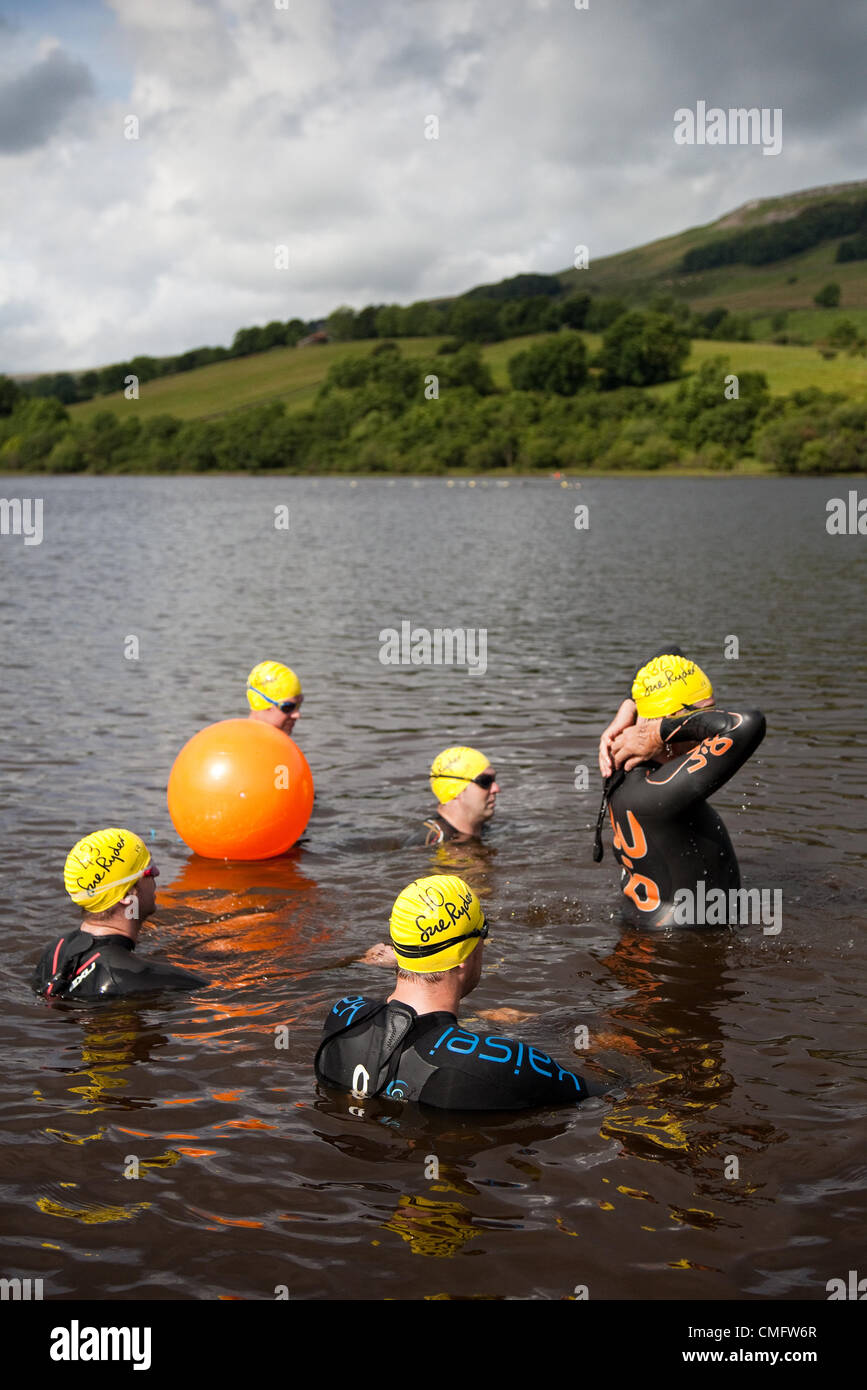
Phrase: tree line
(840, 217)
(516, 307)
(382, 412)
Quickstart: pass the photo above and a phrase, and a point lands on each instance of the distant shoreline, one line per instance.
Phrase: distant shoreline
(456, 476)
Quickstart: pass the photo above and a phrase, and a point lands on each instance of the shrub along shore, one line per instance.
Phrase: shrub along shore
(384, 411)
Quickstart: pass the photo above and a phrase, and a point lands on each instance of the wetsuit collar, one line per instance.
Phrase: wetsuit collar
(115, 938)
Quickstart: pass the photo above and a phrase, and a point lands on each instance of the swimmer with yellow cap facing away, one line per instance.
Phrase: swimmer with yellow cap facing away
(465, 786)
(274, 695)
(111, 877)
(410, 1046)
(666, 756)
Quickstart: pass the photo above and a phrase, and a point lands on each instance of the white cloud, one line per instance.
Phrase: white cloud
(306, 126)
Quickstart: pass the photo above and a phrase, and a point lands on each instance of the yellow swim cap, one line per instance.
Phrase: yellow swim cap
(269, 683)
(101, 868)
(452, 769)
(666, 684)
(436, 923)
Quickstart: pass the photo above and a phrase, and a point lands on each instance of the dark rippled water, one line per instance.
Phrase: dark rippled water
(733, 1045)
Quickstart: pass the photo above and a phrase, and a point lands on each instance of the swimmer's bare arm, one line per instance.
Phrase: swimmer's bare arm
(380, 954)
(622, 720)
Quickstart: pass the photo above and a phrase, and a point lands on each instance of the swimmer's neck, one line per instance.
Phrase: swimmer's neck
(460, 818)
(111, 924)
(429, 999)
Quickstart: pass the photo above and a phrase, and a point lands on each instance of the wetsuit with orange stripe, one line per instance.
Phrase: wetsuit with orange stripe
(81, 966)
(666, 837)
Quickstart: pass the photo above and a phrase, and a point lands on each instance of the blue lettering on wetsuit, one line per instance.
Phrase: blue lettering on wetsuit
(352, 1005)
(571, 1075)
(466, 1043)
(535, 1058)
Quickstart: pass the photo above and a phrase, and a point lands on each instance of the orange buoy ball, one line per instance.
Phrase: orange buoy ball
(240, 789)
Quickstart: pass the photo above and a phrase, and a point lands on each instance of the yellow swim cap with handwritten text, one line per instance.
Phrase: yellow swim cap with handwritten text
(452, 769)
(666, 684)
(269, 683)
(436, 922)
(101, 868)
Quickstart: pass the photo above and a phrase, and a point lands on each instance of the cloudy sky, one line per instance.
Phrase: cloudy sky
(302, 123)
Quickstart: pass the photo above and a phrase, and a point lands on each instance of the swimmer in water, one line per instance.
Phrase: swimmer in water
(274, 696)
(680, 750)
(111, 877)
(410, 1046)
(465, 786)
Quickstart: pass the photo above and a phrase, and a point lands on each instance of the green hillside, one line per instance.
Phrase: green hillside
(293, 375)
(654, 269)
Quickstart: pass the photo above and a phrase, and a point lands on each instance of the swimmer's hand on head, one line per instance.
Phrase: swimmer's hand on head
(641, 743)
(623, 719)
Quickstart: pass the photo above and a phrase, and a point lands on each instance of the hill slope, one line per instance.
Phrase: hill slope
(655, 268)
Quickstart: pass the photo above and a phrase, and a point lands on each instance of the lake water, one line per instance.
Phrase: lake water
(731, 1045)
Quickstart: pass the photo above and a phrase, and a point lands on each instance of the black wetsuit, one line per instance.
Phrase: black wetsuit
(374, 1048)
(436, 831)
(666, 837)
(81, 966)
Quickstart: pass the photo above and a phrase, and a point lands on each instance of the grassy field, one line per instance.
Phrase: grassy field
(294, 375)
(787, 368)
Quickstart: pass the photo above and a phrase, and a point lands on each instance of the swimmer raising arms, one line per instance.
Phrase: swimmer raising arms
(679, 752)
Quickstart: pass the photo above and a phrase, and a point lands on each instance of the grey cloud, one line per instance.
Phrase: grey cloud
(34, 105)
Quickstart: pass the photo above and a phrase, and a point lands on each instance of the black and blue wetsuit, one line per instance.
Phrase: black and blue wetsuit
(666, 837)
(376, 1048)
(81, 966)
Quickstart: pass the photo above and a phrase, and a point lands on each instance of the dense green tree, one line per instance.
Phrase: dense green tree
(558, 366)
(247, 341)
(704, 410)
(475, 320)
(642, 349)
(602, 313)
(828, 296)
(10, 395)
(388, 321)
(853, 250)
(844, 334)
(113, 377)
(61, 385)
(145, 368)
(574, 310)
(340, 324)
(295, 329)
(463, 368)
(518, 287)
(365, 321)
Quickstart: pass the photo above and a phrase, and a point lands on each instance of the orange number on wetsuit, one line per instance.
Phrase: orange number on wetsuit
(715, 746)
(650, 901)
(637, 883)
(638, 848)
